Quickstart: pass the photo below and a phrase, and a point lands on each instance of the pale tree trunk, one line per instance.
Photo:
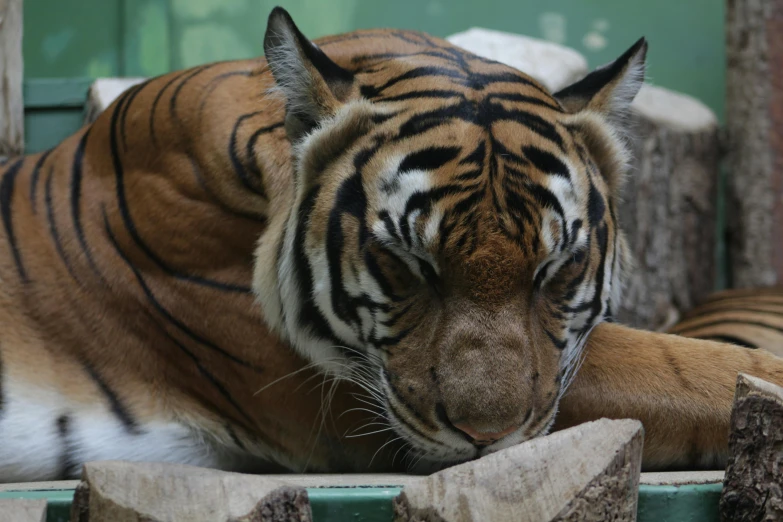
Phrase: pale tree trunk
(11, 70)
(754, 120)
(668, 208)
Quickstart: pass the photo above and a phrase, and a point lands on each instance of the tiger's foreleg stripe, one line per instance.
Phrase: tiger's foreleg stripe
(205, 373)
(50, 218)
(76, 194)
(162, 310)
(34, 177)
(116, 405)
(6, 198)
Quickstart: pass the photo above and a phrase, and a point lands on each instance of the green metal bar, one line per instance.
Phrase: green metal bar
(692, 503)
(42, 93)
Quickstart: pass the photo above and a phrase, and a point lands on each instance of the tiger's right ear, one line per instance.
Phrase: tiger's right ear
(314, 86)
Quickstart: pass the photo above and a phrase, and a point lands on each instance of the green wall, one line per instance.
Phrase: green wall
(91, 38)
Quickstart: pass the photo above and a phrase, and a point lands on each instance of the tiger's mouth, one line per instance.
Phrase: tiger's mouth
(434, 441)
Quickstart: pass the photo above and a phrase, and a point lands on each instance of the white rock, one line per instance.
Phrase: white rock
(554, 65)
(103, 92)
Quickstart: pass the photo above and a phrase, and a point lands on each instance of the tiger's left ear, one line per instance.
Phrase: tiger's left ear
(599, 105)
(314, 86)
(610, 89)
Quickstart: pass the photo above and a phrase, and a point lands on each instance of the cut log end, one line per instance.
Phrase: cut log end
(589, 472)
(157, 492)
(753, 484)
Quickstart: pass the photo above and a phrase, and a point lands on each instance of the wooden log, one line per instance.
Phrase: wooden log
(116, 490)
(11, 71)
(668, 208)
(589, 472)
(103, 92)
(555, 66)
(22, 510)
(753, 484)
(754, 123)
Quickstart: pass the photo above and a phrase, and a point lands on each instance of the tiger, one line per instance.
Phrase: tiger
(751, 318)
(370, 252)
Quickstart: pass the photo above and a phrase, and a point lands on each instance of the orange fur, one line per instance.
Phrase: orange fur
(129, 262)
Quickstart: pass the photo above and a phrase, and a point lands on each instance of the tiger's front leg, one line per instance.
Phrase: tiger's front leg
(681, 390)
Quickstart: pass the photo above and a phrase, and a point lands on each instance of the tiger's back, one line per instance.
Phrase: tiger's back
(751, 318)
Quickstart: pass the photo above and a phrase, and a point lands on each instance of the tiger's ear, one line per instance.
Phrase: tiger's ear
(314, 86)
(610, 89)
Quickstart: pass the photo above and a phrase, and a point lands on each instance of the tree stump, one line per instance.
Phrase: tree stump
(11, 71)
(157, 492)
(589, 473)
(555, 66)
(753, 484)
(754, 121)
(668, 208)
(22, 510)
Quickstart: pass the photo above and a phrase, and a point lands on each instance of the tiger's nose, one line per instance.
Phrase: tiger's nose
(486, 438)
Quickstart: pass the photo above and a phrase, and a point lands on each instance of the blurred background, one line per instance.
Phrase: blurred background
(66, 43)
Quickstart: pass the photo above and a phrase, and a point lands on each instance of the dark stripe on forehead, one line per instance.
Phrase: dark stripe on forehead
(431, 158)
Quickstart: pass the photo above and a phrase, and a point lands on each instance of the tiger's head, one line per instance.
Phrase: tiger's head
(453, 236)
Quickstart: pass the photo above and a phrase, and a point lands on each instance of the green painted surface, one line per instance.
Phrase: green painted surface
(54, 109)
(145, 37)
(692, 503)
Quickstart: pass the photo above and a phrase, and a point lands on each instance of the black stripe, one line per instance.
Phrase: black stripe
(214, 83)
(165, 312)
(135, 90)
(207, 374)
(546, 162)
(730, 308)
(175, 95)
(34, 177)
(6, 199)
(157, 99)
(130, 226)
(726, 322)
(730, 339)
(76, 194)
(50, 218)
(233, 434)
(310, 317)
(239, 167)
(430, 158)
(117, 407)
(68, 467)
